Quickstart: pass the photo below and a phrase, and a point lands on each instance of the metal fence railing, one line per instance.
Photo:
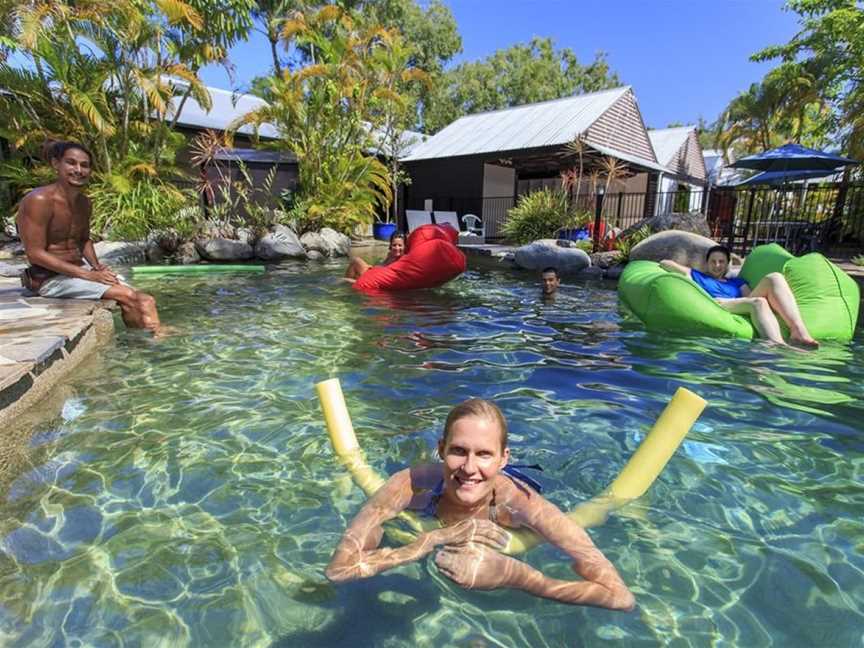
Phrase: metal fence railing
(803, 218)
(828, 217)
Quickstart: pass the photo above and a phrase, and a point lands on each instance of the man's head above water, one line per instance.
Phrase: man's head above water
(717, 261)
(549, 281)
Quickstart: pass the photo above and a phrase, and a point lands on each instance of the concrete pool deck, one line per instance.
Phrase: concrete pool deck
(42, 341)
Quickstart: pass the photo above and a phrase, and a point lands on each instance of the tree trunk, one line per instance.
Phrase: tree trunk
(277, 67)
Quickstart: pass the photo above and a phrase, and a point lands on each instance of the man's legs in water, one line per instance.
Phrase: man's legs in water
(138, 308)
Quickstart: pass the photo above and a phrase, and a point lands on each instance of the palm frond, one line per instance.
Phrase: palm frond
(88, 108)
(178, 11)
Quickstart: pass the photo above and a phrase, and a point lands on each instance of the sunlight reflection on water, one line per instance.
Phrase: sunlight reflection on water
(187, 495)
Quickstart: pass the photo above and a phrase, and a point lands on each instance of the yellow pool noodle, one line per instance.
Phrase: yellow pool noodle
(634, 479)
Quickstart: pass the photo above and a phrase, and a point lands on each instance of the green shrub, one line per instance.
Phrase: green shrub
(537, 215)
(129, 210)
(858, 260)
(625, 245)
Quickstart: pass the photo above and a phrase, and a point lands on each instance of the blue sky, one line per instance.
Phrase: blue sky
(684, 58)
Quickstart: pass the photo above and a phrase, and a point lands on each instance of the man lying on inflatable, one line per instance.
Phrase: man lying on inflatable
(771, 295)
(432, 259)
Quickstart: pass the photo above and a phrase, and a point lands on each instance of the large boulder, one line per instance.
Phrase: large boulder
(155, 253)
(696, 223)
(685, 248)
(606, 260)
(314, 241)
(546, 252)
(121, 252)
(282, 243)
(338, 244)
(186, 254)
(222, 249)
(245, 235)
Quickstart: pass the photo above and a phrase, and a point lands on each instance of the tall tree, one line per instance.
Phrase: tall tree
(523, 73)
(785, 106)
(329, 111)
(429, 31)
(828, 52)
(269, 16)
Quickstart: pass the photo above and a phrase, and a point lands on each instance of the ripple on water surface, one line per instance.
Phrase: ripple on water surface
(186, 495)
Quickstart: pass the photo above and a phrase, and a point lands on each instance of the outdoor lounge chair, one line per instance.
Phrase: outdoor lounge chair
(416, 218)
(448, 218)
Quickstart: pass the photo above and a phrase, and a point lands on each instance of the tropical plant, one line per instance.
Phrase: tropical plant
(329, 111)
(827, 52)
(392, 111)
(523, 73)
(625, 244)
(536, 215)
(232, 199)
(129, 209)
(113, 76)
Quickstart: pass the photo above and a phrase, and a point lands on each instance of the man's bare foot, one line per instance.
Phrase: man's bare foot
(163, 331)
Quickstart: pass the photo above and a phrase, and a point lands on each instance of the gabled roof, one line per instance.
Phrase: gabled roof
(548, 123)
(227, 106)
(679, 150)
(667, 142)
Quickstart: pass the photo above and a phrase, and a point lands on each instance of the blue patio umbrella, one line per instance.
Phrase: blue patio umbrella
(792, 157)
(781, 177)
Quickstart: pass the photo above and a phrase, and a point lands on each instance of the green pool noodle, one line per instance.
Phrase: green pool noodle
(632, 482)
(669, 302)
(201, 268)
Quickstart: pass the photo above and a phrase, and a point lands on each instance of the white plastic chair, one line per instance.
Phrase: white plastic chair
(474, 225)
(416, 218)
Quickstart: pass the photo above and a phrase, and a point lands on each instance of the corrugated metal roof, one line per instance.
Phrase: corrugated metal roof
(548, 123)
(227, 106)
(626, 157)
(668, 141)
(255, 156)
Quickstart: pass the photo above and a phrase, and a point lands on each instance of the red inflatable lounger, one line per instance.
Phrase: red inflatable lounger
(432, 260)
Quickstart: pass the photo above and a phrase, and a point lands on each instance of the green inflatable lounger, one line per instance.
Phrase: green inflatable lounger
(669, 302)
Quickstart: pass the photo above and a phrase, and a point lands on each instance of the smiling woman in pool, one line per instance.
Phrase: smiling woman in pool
(475, 502)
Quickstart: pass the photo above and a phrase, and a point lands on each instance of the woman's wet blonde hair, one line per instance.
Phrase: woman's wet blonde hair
(481, 409)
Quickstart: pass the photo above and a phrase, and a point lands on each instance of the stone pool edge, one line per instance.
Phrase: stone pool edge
(41, 342)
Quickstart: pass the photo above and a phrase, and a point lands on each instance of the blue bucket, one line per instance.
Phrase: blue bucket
(383, 231)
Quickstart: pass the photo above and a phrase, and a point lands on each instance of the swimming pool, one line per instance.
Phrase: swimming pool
(187, 494)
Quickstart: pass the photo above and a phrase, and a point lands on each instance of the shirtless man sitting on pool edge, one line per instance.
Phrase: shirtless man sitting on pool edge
(771, 295)
(475, 501)
(54, 224)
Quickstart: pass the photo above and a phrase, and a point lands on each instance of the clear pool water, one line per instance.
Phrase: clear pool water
(187, 495)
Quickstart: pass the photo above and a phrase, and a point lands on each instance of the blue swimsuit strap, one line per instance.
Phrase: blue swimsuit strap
(513, 472)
